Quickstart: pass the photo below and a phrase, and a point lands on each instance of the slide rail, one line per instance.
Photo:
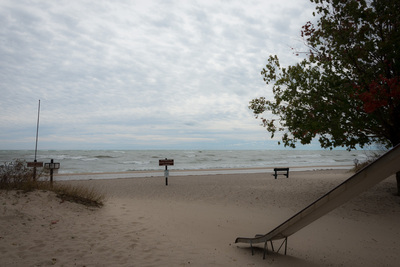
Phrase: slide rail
(386, 165)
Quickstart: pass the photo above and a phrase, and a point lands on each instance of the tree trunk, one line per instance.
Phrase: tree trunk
(398, 183)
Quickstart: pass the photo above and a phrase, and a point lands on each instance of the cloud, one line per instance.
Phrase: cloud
(105, 70)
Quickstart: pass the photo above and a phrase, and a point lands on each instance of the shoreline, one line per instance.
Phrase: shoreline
(172, 172)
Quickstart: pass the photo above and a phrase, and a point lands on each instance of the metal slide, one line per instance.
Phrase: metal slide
(388, 164)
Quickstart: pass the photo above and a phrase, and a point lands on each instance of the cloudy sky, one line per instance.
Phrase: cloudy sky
(140, 74)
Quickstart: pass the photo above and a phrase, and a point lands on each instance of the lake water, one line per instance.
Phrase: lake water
(97, 161)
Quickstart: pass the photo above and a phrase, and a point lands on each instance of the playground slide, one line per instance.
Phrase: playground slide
(388, 164)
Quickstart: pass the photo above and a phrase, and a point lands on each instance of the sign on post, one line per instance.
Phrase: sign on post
(35, 164)
(166, 162)
(52, 166)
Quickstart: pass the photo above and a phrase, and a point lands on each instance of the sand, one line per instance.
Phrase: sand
(194, 222)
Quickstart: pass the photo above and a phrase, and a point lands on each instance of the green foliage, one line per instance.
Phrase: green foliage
(347, 91)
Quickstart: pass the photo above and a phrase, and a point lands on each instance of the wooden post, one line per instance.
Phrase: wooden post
(165, 163)
(34, 170)
(51, 174)
(51, 166)
(35, 164)
(166, 175)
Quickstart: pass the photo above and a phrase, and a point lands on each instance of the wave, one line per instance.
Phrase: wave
(89, 159)
(136, 162)
(79, 161)
(104, 157)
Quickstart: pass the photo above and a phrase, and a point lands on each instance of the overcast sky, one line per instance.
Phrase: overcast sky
(140, 74)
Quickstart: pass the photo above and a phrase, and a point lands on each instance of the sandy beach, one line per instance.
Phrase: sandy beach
(194, 222)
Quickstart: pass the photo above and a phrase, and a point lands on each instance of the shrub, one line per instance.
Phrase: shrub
(17, 176)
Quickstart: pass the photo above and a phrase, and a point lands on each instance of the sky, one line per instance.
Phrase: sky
(141, 74)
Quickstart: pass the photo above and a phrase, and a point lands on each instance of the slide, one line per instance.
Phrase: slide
(388, 164)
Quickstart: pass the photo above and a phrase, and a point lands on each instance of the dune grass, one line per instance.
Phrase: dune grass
(17, 176)
(78, 194)
(370, 158)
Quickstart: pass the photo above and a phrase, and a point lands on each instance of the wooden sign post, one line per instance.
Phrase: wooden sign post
(166, 162)
(35, 164)
(52, 166)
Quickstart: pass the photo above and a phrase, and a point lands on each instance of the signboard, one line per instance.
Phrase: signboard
(52, 165)
(35, 164)
(166, 162)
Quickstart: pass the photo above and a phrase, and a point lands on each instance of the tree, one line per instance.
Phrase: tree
(346, 92)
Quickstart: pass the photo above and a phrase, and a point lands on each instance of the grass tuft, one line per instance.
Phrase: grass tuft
(371, 158)
(17, 176)
(82, 195)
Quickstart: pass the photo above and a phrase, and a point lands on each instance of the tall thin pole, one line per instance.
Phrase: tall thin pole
(37, 137)
(37, 130)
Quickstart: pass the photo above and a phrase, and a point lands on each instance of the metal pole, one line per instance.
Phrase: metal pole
(37, 130)
(285, 245)
(37, 137)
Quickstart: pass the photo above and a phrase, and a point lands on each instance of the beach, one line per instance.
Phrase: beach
(195, 220)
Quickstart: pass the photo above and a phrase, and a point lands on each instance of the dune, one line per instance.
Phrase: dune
(194, 222)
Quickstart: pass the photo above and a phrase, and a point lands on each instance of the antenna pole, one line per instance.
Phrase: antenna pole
(37, 135)
(37, 130)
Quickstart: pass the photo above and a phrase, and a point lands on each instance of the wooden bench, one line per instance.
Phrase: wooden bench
(277, 170)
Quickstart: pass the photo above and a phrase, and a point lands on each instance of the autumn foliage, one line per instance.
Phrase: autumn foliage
(346, 92)
(381, 93)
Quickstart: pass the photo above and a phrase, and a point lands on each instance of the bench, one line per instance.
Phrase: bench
(276, 170)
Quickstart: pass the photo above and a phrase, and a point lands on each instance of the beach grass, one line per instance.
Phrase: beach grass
(17, 176)
(371, 158)
(79, 194)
